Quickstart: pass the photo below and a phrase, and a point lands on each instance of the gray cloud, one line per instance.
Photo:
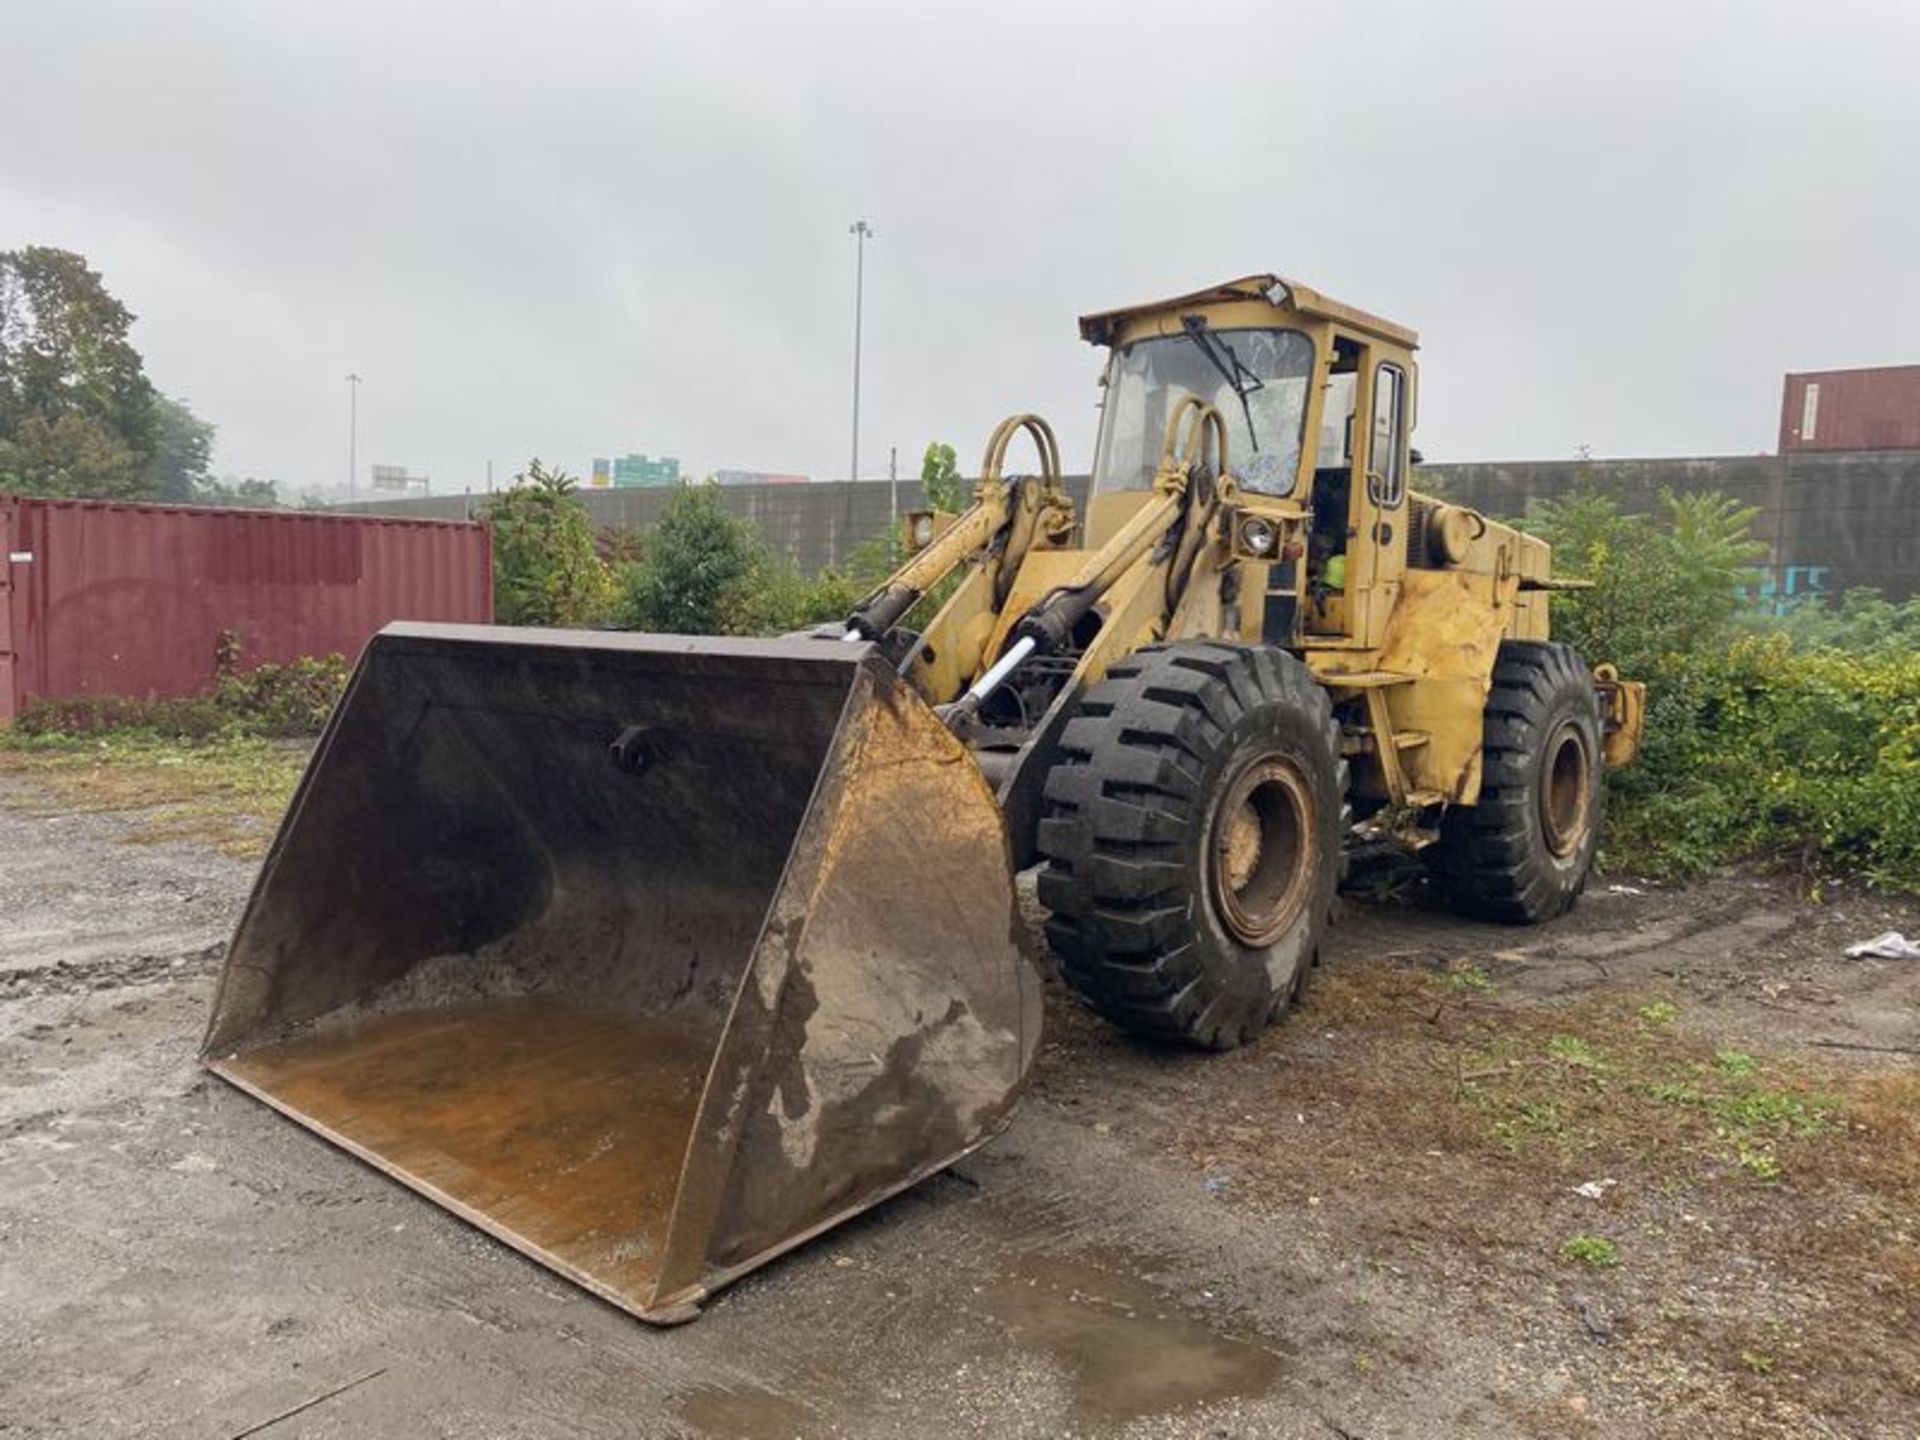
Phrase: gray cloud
(575, 229)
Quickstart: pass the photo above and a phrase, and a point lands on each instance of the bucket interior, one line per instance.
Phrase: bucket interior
(496, 964)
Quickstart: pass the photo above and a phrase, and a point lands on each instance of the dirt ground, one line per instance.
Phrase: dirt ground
(1367, 1225)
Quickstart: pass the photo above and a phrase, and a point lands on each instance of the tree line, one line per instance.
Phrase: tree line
(1791, 738)
(78, 415)
(699, 570)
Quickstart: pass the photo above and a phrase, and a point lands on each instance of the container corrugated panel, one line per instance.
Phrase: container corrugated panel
(103, 598)
(1876, 409)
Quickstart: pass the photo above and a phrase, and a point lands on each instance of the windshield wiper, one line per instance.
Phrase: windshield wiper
(1243, 380)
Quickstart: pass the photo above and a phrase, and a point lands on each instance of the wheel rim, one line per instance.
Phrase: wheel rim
(1566, 790)
(1262, 849)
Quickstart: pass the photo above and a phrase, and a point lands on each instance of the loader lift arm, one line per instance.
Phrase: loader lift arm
(1177, 511)
(1002, 522)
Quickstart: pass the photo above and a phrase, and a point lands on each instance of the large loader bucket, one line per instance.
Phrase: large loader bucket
(651, 956)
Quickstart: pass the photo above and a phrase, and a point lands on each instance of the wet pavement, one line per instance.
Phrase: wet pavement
(176, 1259)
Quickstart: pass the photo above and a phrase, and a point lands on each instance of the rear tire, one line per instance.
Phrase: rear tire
(1192, 835)
(1523, 853)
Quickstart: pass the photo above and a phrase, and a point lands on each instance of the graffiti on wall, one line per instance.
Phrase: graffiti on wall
(1788, 586)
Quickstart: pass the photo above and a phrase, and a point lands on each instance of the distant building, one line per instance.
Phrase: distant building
(756, 477)
(1872, 409)
(602, 475)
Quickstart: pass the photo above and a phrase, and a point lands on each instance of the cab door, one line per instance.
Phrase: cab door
(1380, 521)
(1356, 546)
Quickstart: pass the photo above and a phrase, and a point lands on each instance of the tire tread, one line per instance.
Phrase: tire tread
(1123, 801)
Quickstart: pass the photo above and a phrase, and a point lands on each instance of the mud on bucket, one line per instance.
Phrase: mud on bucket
(651, 956)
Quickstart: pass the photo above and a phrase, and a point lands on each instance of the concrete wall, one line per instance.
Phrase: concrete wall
(1831, 521)
(814, 525)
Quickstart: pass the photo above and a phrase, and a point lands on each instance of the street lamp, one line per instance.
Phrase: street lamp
(861, 232)
(353, 431)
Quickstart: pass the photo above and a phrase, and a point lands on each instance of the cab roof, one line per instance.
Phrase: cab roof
(1278, 291)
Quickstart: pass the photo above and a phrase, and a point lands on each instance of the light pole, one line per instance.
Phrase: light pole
(861, 232)
(353, 431)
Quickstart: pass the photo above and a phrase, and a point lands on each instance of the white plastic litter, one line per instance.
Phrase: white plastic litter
(1594, 1189)
(1625, 890)
(1889, 946)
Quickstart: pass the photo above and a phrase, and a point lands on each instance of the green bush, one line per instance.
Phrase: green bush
(546, 570)
(1794, 739)
(780, 599)
(705, 571)
(266, 701)
(1864, 621)
(193, 717)
(282, 700)
(1765, 750)
(1664, 585)
(700, 569)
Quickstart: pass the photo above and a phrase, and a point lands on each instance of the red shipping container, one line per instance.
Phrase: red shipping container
(104, 598)
(1875, 409)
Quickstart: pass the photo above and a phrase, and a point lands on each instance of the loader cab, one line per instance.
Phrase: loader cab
(1318, 402)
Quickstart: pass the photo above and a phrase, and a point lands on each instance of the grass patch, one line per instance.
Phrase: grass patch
(1775, 1110)
(1572, 1050)
(1529, 1118)
(1749, 1118)
(1607, 1084)
(228, 792)
(1676, 1092)
(1458, 1121)
(217, 768)
(1595, 1250)
(1756, 1158)
(1603, 1081)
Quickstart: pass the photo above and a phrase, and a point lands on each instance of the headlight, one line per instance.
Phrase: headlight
(1257, 535)
(922, 531)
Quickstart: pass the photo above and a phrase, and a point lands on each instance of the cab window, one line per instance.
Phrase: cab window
(1386, 467)
(1257, 379)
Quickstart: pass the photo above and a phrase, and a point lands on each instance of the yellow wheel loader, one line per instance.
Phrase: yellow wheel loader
(656, 955)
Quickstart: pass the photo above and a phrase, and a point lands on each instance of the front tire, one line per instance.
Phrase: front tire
(1192, 836)
(1523, 853)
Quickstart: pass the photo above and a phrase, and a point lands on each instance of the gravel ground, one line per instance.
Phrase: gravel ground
(177, 1260)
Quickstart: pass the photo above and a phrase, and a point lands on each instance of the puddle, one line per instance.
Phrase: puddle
(1129, 1349)
(1126, 1349)
(745, 1412)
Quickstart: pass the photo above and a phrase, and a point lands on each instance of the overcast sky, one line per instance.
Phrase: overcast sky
(572, 229)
